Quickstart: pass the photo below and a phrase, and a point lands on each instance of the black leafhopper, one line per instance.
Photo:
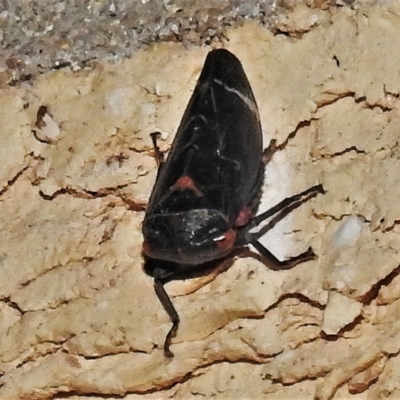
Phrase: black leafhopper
(206, 194)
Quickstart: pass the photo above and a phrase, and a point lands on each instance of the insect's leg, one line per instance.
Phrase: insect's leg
(269, 151)
(158, 154)
(279, 216)
(170, 309)
(278, 265)
(280, 211)
(290, 203)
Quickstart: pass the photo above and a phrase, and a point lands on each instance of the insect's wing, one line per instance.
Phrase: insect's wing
(219, 141)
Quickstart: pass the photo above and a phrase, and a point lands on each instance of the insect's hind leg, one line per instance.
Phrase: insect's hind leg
(286, 206)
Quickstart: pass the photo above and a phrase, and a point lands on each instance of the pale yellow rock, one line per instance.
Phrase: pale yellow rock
(339, 312)
(17, 142)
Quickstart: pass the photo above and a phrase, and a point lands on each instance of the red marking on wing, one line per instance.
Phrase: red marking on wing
(243, 218)
(228, 242)
(185, 182)
(146, 249)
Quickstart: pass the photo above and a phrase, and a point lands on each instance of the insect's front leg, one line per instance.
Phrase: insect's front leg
(171, 311)
(158, 154)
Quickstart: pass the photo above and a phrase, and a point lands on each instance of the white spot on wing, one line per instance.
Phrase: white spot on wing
(219, 238)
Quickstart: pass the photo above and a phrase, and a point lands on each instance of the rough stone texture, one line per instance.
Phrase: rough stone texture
(78, 316)
(38, 35)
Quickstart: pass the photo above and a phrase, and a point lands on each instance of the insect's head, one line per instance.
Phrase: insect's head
(193, 236)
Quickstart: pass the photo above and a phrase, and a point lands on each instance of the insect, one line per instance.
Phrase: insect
(206, 194)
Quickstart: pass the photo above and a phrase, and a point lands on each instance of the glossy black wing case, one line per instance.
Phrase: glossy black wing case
(213, 171)
(219, 140)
